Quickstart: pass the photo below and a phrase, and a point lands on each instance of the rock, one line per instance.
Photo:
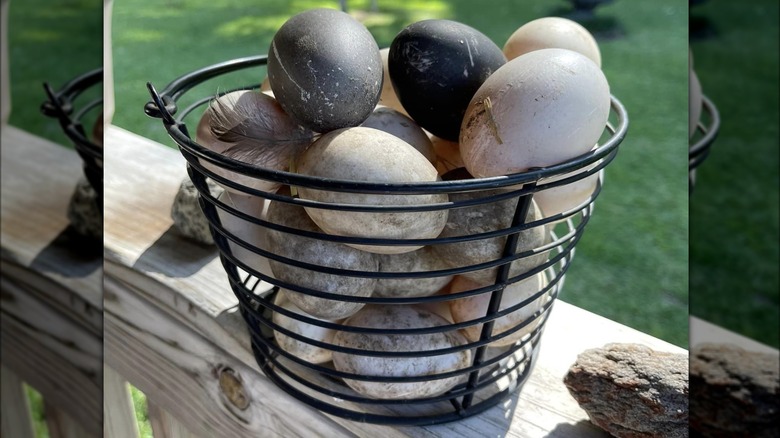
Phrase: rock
(734, 392)
(83, 212)
(632, 391)
(187, 215)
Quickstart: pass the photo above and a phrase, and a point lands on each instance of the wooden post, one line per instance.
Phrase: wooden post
(60, 424)
(118, 412)
(16, 420)
(164, 425)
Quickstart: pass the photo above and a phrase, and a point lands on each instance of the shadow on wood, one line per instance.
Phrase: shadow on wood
(174, 256)
(85, 254)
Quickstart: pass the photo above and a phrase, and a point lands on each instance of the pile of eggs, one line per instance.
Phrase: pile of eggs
(442, 98)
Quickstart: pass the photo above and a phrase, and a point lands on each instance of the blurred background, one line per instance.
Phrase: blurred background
(734, 207)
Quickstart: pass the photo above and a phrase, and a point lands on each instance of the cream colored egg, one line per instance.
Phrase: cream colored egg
(552, 33)
(400, 317)
(422, 260)
(447, 155)
(482, 218)
(474, 307)
(694, 102)
(538, 110)
(388, 97)
(251, 127)
(300, 349)
(393, 122)
(370, 155)
(566, 197)
(244, 230)
(317, 252)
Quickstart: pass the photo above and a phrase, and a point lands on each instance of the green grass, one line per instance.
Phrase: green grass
(631, 265)
(734, 209)
(51, 42)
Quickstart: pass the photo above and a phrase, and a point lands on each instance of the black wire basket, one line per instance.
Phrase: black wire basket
(492, 374)
(706, 132)
(62, 105)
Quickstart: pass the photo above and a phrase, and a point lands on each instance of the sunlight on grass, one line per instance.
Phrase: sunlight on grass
(248, 26)
(40, 35)
(141, 412)
(142, 36)
(35, 401)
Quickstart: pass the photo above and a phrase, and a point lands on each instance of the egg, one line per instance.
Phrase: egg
(422, 260)
(388, 97)
(317, 252)
(476, 306)
(250, 127)
(556, 200)
(325, 69)
(244, 230)
(694, 102)
(400, 317)
(393, 122)
(447, 155)
(300, 349)
(551, 33)
(436, 66)
(370, 155)
(483, 218)
(538, 110)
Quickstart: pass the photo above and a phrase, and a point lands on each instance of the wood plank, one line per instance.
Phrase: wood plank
(60, 360)
(157, 276)
(61, 425)
(164, 425)
(16, 418)
(38, 179)
(119, 415)
(702, 331)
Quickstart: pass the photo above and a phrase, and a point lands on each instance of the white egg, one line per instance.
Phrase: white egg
(563, 198)
(244, 230)
(400, 317)
(370, 155)
(393, 122)
(538, 110)
(422, 260)
(300, 349)
(552, 33)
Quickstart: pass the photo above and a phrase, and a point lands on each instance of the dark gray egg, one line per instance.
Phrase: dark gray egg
(436, 66)
(325, 70)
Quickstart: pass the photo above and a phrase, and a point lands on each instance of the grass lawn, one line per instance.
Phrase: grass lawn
(631, 265)
(734, 209)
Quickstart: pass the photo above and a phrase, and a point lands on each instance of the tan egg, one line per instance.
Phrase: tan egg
(447, 155)
(370, 155)
(552, 33)
(694, 102)
(474, 307)
(244, 230)
(400, 317)
(422, 260)
(265, 87)
(393, 122)
(388, 97)
(538, 110)
(317, 252)
(300, 349)
(251, 127)
(482, 218)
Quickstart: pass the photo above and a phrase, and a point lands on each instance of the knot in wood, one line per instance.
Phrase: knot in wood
(232, 388)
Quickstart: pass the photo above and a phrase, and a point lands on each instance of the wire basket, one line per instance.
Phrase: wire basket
(61, 105)
(706, 132)
(492, 374)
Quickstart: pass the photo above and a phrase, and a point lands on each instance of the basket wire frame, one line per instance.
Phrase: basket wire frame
(706, 132)
(494, 374)
(61, 104)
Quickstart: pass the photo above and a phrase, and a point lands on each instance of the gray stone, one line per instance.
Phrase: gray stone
(632, 391)
(83, 212)
(734, 392)
(187, 215)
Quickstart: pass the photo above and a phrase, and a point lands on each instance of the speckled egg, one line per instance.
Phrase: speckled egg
(300, 349)
(422, 260)
(325, 69)
(436, 66)
(393, 122)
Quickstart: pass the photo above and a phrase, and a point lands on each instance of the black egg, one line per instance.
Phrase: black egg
(325, 70)
(436, 66)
